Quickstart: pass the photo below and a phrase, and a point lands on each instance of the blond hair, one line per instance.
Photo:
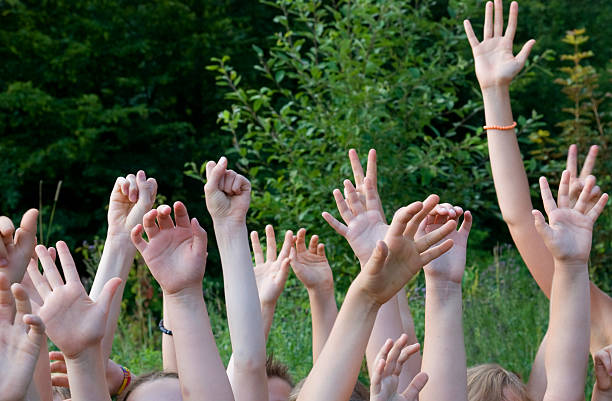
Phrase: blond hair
(489, 382)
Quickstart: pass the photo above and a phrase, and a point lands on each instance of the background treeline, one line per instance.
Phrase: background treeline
(94, 89)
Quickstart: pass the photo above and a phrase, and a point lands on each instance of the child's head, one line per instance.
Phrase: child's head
(279, 380)
(156, 386)
(491, 382)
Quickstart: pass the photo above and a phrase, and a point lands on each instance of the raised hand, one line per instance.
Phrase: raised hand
(569, 231)
(451, 265)
(19, 348)
(577, 181)
(385, 377)
(175, 253)
(17, 247)
(114, 373)
(310, 264)
(228, 194)
(271, 274)
(74, 322)
(399, 257)
(494, 60)
(602, 361)
(131, 198)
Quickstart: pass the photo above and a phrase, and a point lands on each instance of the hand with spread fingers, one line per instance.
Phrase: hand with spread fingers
(271, 273)
(17, 246)
(602, 361)
(21, 337)
(494, 60)
(310, 264)
(385, 377)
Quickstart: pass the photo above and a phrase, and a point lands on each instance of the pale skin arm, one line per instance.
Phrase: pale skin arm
(228, 196)
(444, 350)
(176, 255)
(536, 386)
(130, 199)
(602, 391)
(168, 353)
(312, 269)
(392, 264)
(365, 224)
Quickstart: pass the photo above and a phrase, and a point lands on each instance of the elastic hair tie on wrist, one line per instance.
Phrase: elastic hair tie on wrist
(163, 329)
(127, 378)
(500, 127)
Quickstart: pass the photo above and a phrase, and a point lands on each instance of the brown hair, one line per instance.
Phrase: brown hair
(276, 368)
(146, 378)
(488, 382)
(360, 392)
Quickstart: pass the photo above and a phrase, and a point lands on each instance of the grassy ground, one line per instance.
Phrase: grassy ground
(505, 318)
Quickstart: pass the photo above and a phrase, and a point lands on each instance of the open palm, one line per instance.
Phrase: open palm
(271, 274)
(310, 264)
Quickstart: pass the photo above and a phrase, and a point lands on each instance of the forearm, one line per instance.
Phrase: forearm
(536, 387)
(199, 364)
(388, 324)
(87, 376)
(568, 345)
(168, 353)
(117, 258)
(334, 375)
(267, 317)
(444, 350)
(323, 311)
(413, 365)
(42, 373)
(243, 313)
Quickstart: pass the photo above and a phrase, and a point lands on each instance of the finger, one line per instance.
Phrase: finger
(335, 224)
(547, 198)
(402, 217)
(589, 162)
(200, 239)
(585, 195)
(563, 199)
(7, 231)
(230, 177)
(395, 351)
(428, 205)
(137, 240)
(3, 255)
(377, 373)
(25, 237)
(181, 216)
(37, 328)
(314, 243)
(243, 185)
(52, 275)
(60, 381)
(466, 226)
(270, 244)
(598, 208)
(378, 258)
(147, 188)
(521, 57)
(498, 26)
(371, 169)
(68, 266)
(281, 277)
(416, 385)
(58, 367)
(214, 173)
(149, 225)
(164, 221)
(124, 186)
(257, 251)
(56, 356)
(356, 166)
(488, 25)
(384, 350)
(287, 243)
(22, 302)
(352, 197)
(152, 190)
(108, 292)
(7, 311)
(435, 252)
(540, 224)
(300, 243)
(343, 208)
(133, 188)
(469, 32)
(512, 21)
(407, 352)
(53, 253)
(40, 283)
(237, 185)
(321, 250)
(572, 160)
(435, 236)
(371, 197)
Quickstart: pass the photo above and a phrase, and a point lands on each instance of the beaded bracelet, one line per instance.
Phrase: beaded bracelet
(163, 329)
(500, 127)
(127, 378)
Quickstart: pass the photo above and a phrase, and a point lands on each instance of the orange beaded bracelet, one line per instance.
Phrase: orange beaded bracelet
(500, 127)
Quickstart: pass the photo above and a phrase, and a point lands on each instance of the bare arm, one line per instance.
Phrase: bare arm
(168, 352)
(536, 387)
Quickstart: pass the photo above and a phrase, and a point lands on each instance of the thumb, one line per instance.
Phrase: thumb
(108, 293)
(416, 385)
(200, 240)
(378, 258)
(521, 58)
(281, 277)
(541, 227)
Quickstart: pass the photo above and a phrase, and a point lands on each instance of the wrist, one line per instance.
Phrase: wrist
(496, 90)
(228, 223)
(86, 358)
(321, 290)
(185, 294)
(571, 267)
(363, 295)
(441, 287)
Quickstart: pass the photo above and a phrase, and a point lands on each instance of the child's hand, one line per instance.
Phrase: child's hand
(175, 254)
(396, 260)
(310, 264)
(385, 377)
(227, 193)
(495, 64)
(271, 274)
(74, 322)
(17, 247)
(451, 265)
(569, 232)
(131, 198)
(19, 349)
(603, 369)
(577, 181)
(365, 225)
(114, 373)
